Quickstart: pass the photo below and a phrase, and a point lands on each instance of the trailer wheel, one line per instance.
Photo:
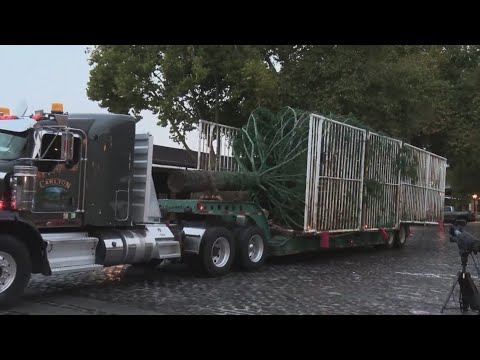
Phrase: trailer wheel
(217, 252)
(390, 242)
(15, 269)
(251, 248)
(401, 236)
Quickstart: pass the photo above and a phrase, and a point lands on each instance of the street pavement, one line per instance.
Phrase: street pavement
(413, 280)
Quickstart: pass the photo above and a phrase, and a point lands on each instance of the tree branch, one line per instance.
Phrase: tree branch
(182, 139)
(270, 64)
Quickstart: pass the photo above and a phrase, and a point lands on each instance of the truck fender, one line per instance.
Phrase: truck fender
(25, 231)
(193, 239)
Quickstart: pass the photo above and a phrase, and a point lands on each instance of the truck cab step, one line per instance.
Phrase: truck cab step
(76, 268)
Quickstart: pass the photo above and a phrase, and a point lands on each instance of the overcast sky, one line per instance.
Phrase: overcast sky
(38, 75)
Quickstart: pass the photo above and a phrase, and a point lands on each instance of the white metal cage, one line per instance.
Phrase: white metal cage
(382, 179)
(423, 193)
(354, 180)
(335, 170)
(215, 151)
(353, 177)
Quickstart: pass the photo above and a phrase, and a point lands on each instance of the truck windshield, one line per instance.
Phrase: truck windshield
(12, 144)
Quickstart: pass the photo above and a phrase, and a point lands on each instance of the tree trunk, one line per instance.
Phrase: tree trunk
(209, 181)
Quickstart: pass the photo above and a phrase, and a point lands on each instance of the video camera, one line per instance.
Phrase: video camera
(466, 242)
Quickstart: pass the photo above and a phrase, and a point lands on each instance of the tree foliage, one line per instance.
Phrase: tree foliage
(182, 84)
(426, 95)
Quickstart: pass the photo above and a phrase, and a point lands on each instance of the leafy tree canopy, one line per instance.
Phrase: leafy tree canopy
(426, 95)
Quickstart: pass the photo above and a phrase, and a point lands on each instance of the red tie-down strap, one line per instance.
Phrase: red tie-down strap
(441, 226)
(384, 233)
(325, 239)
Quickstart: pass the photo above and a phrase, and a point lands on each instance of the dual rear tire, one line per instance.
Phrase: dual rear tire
(401, 236)
(221, 249)
(397, 239)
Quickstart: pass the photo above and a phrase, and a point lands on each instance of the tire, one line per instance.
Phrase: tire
(390, 242)
(15, 269)
(251, 248)
(401, 236)
(217, 253)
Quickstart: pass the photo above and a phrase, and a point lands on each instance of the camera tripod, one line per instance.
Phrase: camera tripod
(469, 296)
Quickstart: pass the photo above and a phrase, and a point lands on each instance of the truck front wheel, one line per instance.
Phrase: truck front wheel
(15, 269)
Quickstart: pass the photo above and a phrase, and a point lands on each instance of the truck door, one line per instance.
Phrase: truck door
(58, 182)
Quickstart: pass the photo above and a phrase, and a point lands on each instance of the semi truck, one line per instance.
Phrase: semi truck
(78, 192)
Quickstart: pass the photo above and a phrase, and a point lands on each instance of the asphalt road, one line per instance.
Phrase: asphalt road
(412, 280)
